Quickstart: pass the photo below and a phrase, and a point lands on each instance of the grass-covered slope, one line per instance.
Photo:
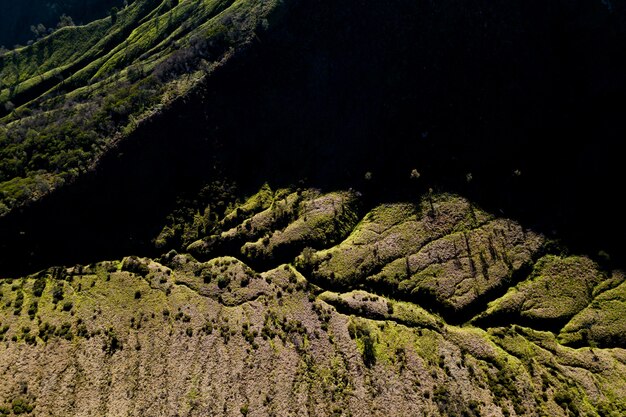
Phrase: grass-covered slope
(72, 95)
(332, 326)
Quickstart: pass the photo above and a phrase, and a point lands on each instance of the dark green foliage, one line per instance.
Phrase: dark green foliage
(65, 331)
(307, 259)
(3, 330)
(21, 406)
(183, 317)
(135, 265)
(19, 302)
(32, 310)
(137, 295)
(249, 335)
(57, 293)
(358, 329)
(38, 146)
(113, 13)
(39, 286)
(223, 281)
(369, 351)
(207, 328)
(67, 306)
(196, 216)
(111, 342)
(46, 331)
(441, 396)
(565, 399)
(30, 339)
(81, 331)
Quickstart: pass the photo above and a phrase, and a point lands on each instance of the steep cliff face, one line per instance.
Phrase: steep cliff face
(274, 324)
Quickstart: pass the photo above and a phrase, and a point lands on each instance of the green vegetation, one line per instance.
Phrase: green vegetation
(366, 340)
(555, 291)
(71, 95)
(386, 340)
(601, 323)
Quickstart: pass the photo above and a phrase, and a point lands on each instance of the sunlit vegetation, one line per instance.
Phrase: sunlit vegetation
(69, 96)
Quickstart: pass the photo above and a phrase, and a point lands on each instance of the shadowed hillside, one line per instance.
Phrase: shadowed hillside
(510, 104)
(336, 208)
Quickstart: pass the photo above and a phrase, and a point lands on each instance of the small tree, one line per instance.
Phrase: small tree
(39, 30)
(369, 350)
(113, 13)
(64, 21)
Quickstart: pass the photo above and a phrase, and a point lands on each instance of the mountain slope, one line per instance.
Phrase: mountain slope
(181, 336)
(457, 92)
(361, 282)
(98, 82)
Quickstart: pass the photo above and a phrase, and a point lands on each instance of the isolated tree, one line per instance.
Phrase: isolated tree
(39, 31)
(113, 13)
(64, 21)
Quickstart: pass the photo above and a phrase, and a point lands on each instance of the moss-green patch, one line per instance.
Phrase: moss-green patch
(254, 204)
(226, 279)
(601, 323)
(557, 289)
(368, 305)
(387, 233)
(460, 268)
(317, 221)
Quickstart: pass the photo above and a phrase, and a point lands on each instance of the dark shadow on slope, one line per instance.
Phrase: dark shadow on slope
(340, 89)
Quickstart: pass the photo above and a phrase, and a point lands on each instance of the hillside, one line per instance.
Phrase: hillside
(299, 303)
(18, 16)
(327, 207)
(294, 89)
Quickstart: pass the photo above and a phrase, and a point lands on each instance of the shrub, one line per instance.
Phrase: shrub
(135, 265)
(359, 330)
(111, 343)
(19, 301)
(39, 286)
(223, 281)
(369, 351)
(21, 406)
(32, 310)
(65, 331)
(57, 293)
